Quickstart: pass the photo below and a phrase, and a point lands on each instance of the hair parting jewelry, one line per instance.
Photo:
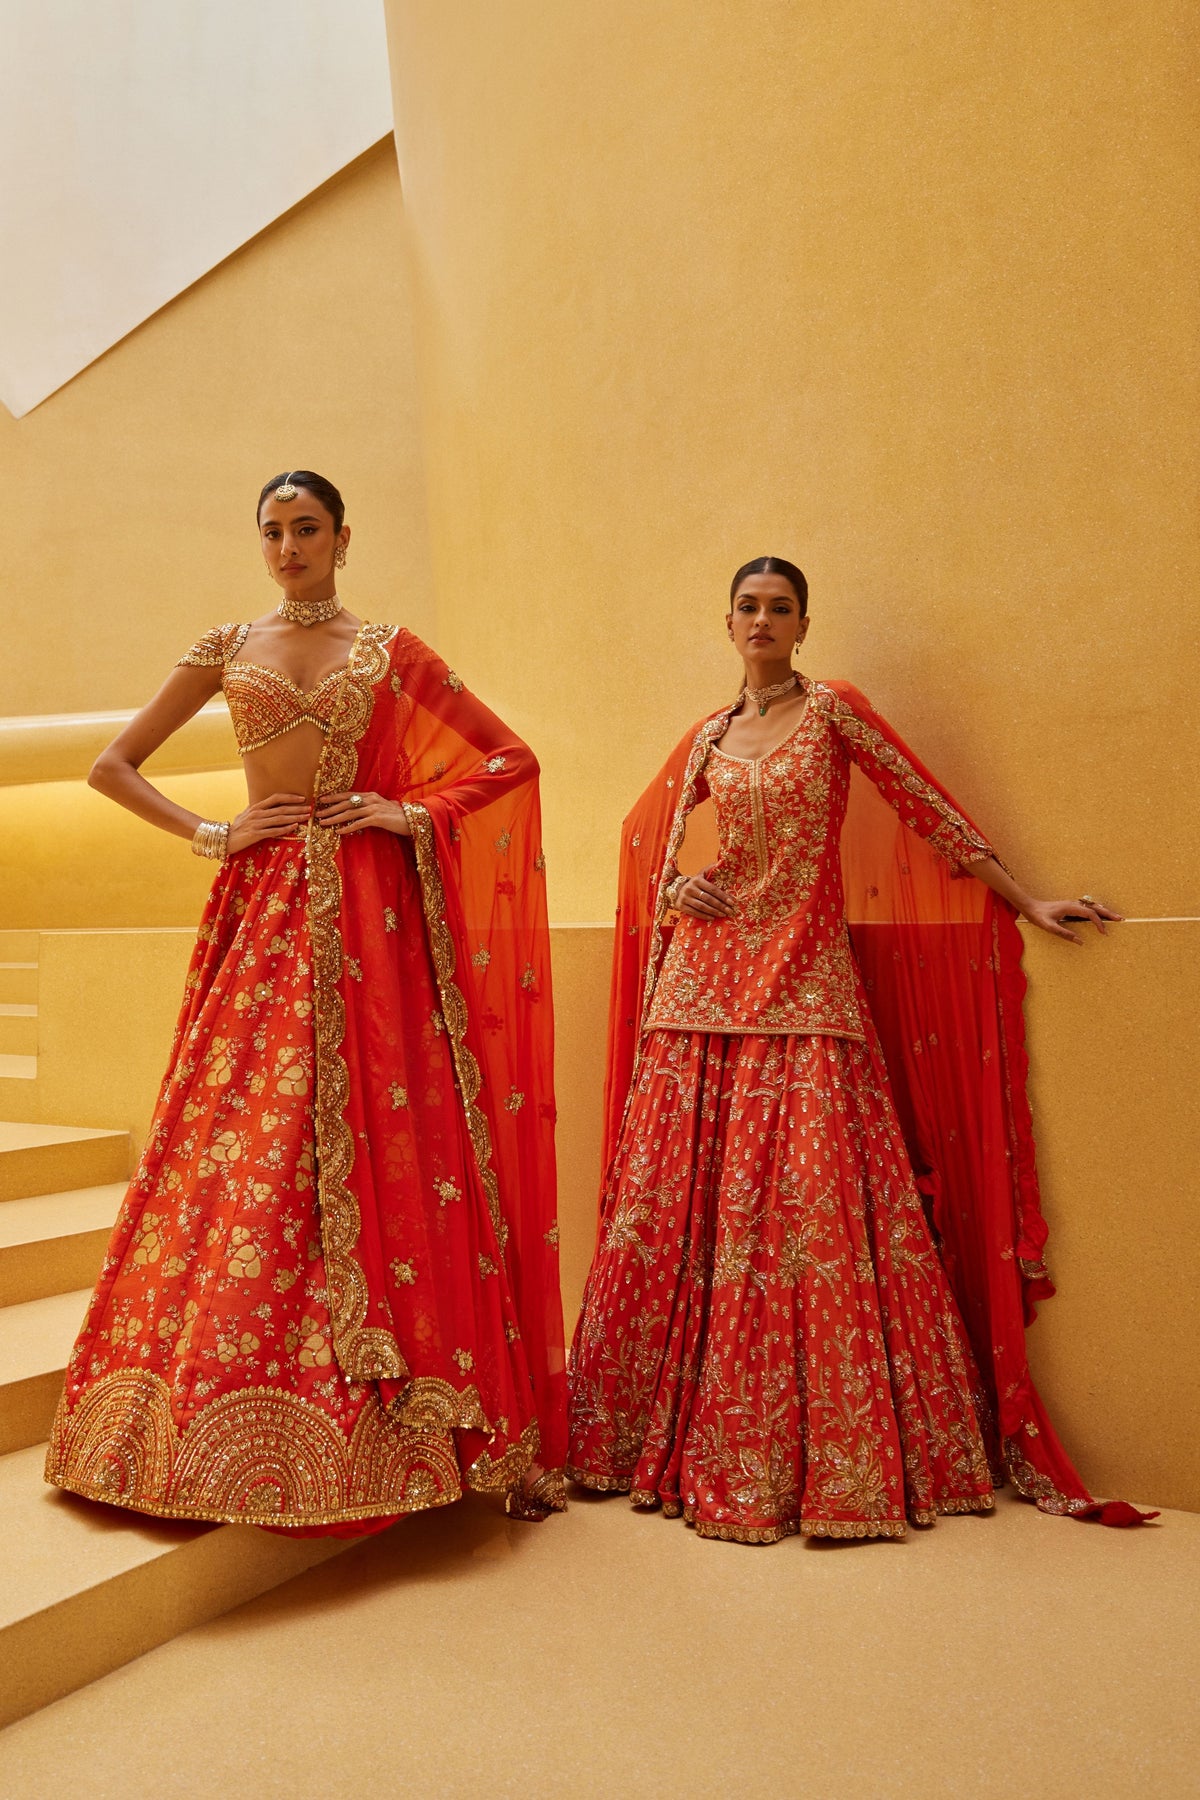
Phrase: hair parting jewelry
(212, 839)
(286, 490)
(308, 612)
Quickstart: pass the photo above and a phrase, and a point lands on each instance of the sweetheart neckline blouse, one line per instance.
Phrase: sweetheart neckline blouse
(264, 703)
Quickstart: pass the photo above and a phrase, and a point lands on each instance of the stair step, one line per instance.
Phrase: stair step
(47, 1159)
(35, 1341)
(17, 1068)
(51, 1243)
(19, 982)
(18, 1030)
(85, 1588)
(20, 946)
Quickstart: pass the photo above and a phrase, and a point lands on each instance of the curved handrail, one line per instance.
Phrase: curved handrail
(63, 746)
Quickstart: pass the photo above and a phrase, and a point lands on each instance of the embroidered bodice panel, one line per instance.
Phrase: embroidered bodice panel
(783, 963)
(263, 703)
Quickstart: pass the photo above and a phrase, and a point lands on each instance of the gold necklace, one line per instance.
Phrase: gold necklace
(761, 696)
(308, 612)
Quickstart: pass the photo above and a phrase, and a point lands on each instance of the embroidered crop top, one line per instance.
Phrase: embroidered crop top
(783, 962)
(263, 703)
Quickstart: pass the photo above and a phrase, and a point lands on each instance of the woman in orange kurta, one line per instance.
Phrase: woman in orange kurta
(820, 1238)
(331, 1297)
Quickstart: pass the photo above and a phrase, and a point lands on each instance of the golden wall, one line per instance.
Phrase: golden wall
(129, 494)
(906, 294)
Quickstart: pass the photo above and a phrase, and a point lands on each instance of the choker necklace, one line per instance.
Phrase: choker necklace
(761, 696)
(308, 612)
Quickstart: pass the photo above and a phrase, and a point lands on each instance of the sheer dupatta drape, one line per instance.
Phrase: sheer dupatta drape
(940, 957)
(471, 796)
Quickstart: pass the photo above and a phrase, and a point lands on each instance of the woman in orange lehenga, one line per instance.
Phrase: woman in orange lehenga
(331, 1297)
(820, 1237)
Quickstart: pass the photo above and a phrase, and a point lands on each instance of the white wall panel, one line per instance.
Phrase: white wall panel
(142, 141)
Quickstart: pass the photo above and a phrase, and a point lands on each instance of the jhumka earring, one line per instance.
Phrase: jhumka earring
(339, 557)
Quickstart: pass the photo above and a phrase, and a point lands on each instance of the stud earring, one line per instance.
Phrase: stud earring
(339, 557)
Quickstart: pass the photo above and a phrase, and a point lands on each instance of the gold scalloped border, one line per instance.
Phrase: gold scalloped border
(364, 1353)
(454, 1007)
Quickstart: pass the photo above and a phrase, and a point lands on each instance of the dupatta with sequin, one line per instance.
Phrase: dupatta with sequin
(940, 958)
(407, 728)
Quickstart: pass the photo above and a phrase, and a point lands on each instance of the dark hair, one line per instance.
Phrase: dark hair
(316, 485)
(771, 565)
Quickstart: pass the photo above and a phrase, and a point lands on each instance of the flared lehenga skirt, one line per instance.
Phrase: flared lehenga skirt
(204, 1383)
(768, 1342)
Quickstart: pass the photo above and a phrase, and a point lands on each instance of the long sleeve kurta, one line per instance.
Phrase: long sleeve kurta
(783, 962)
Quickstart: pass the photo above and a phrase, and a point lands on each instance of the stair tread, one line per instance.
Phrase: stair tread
(18, 1068)
(36, 1336)
(16, 965)
(17, 1009)
(15, 1135)
(44, 1216)
(60, 1545)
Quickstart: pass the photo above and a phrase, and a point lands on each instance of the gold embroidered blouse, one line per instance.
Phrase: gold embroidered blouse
(263, 702)
(783, 963)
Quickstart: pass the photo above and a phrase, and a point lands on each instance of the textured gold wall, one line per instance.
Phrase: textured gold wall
(129, 495)
(906, 294)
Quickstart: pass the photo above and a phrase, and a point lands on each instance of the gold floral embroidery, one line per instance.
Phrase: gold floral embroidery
(252, 1456)
(454, 1007)
(368, 1353)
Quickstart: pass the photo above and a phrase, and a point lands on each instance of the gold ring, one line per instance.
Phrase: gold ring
(356, 799)
(1086, 900)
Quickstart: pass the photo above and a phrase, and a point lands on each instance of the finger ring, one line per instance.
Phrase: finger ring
(1086, 900)
(356, 799)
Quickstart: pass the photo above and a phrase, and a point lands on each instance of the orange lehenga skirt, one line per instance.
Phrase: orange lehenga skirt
(768, 1342)
(204, 1383)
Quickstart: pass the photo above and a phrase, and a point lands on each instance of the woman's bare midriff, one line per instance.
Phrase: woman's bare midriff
(286, 766)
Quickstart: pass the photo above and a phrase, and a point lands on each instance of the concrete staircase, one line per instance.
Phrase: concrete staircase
(83, 1587)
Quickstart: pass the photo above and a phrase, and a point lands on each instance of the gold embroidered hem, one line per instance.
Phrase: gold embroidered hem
(742, 1534)
(599, 1484)
(853, 1528)
(1038, 1488)
(647, 1500)
(257, 1456)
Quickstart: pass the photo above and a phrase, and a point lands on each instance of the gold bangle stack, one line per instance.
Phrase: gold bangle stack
(212, 839)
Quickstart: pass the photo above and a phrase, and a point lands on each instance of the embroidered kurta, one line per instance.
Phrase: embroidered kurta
(783, 962)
